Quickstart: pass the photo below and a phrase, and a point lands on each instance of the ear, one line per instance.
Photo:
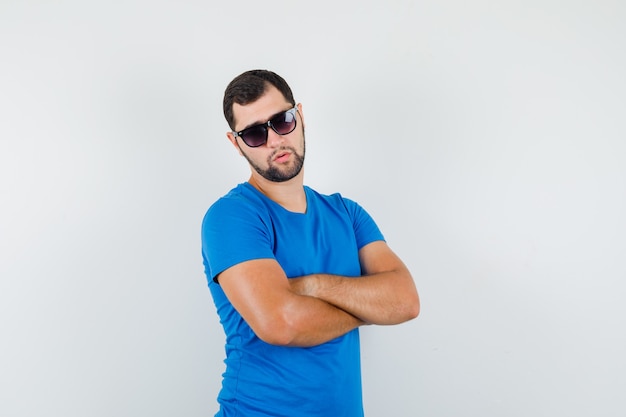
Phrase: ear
(233, 140)
(299, 105)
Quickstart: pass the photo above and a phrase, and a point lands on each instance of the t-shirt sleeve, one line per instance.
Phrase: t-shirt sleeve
(233, 232)
(365, 228)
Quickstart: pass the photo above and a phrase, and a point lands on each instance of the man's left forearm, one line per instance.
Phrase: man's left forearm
(384, 298)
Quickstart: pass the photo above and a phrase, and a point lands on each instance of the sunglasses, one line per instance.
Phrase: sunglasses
(283, 123)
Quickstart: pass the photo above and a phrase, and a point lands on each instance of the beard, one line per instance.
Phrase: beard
(277, 173)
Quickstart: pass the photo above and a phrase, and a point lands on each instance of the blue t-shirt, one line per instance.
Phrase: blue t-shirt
(267, 380)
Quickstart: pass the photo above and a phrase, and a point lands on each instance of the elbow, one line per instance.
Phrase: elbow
(410, 298)
(404, 309)
(410, 301)
(279, 339)
(411, 307)
(282, 325)
(414, 309)
(275, 331)
(415, 305)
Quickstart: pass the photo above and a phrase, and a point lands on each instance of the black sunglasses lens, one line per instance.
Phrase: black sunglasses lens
(284, 123)
(255, 136)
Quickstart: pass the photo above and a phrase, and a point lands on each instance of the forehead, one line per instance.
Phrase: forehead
(259, 111)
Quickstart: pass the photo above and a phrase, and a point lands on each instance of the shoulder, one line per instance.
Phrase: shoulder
(238, 202)
(362, 222)
(334, 199)
(238, 214)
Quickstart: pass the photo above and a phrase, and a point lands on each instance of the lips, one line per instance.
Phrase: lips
(282, 156)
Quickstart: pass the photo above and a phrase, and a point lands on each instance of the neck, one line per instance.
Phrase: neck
(289, 194)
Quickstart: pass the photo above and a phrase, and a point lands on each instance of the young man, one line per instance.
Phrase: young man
(293, 273)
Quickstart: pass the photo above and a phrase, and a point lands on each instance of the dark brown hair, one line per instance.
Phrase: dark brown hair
(248, 87)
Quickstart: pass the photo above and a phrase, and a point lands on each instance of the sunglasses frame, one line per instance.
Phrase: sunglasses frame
(267, 124)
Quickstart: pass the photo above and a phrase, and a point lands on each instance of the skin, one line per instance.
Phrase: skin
(313, 309)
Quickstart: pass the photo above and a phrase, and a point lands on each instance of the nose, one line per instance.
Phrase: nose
(274, 140)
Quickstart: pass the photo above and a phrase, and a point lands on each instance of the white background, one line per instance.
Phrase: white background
(487, 139)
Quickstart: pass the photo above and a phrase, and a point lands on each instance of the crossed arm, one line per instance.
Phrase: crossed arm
(310, 310)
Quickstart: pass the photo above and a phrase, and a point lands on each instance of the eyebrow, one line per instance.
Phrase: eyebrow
(263, 123)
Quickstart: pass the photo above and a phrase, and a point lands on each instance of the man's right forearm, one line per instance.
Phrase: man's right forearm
(309, 321)
(278, 315)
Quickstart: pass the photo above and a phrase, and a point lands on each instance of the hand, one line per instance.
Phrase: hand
(304, 285)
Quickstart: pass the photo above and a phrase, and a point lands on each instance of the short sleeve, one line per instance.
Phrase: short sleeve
(365, 228)
(233, 231)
